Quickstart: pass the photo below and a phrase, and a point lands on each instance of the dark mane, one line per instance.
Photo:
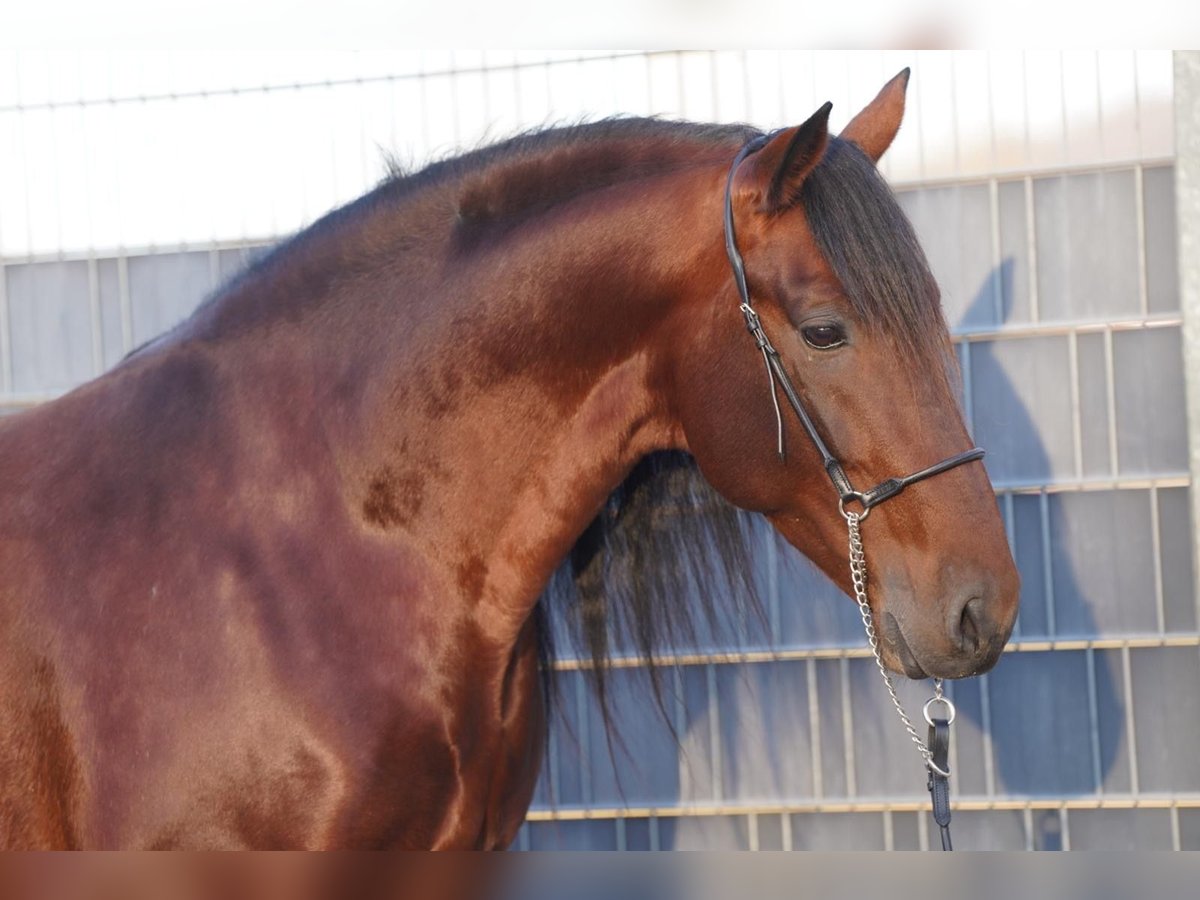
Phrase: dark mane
(521, 177)
(664, 565)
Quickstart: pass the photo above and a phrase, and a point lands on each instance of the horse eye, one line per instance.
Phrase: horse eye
(824, 337)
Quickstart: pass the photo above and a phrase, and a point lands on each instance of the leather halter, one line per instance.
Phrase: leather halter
(776, 372)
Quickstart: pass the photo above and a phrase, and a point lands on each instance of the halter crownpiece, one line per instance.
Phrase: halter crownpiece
(935, 749)
(777, 373)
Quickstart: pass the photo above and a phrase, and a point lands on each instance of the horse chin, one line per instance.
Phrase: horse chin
(898, 656)
(903, 660)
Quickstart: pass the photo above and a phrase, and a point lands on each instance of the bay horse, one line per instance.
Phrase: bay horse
(274, 580)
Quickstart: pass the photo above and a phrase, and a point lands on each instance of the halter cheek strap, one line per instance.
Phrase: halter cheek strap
(778, 378)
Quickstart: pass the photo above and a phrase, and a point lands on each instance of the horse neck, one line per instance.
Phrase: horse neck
(484, 397)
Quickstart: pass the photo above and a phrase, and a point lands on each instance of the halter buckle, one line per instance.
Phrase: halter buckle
(754, 326)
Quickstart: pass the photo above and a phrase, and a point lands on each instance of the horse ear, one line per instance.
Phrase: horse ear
(875, 127)
(774, 174)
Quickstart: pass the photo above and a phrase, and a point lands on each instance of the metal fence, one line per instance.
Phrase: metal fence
(1042, 187)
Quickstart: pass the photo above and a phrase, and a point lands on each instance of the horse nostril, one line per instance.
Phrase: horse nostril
(968, 625)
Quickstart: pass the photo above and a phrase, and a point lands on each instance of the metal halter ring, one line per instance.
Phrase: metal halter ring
(949, 709)
(854, 495)
(936, 770)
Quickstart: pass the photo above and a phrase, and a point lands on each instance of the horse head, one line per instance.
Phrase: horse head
(847, 299)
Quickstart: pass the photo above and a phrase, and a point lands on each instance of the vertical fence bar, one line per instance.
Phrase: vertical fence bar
(125, 300)
(923, 831)
(968, 389)
(214, 266)
(6, 362)
(1094, 721)
(1139, 190)
(848, 728)
(1160, 603)
(1035, 314)
(7, 372)
(1187, 222)
(995, 276)
(6, 387)
(985, 722)
(94, 314)
(1130, 722)
(679, 721)
(1076, 411)
(553, 772)
(583, 729)
(1010, 530)
(1110, 390)
(1047, 563)
(814, 728)
(774, 621)
(714, 732)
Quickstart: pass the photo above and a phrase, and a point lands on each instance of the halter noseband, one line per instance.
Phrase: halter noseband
(776, 372)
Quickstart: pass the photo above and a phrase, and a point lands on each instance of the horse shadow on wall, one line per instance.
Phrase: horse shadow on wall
(800, 731)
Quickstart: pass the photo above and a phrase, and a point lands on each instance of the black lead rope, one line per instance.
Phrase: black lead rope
(939, 783)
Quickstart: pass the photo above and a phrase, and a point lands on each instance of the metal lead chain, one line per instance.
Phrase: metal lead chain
(858, 574)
